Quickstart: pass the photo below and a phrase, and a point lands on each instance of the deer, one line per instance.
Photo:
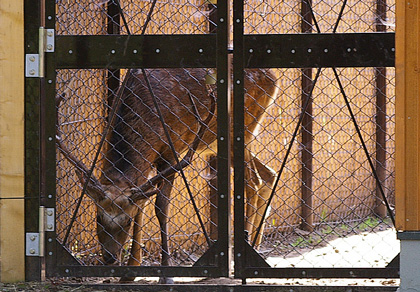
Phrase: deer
(137, 146)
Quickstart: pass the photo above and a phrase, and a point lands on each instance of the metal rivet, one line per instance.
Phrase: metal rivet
(135, 51)
(251, 50)
(32, 251)
(222, 81)
(309, 50)
(49, 196)
(268, 51)
(49, 239)
(393, 49)
(222, 253)
(49, 17)
(112, 51)
(238, 138)
(205, 271)
(200, 50)
(49, 33)
(238, 81)
(50, 253)
(325, 50)
(222, 196)
(32, 59)
(159, 271)
(157, 51)
(304, 273)
(49, 226)
(50, 81)
(50, 138)
(222, 138)
(32, 72)
(70, 52)
(238, 255)
(221, 20)
(49, 47)
(238, 197)
(50, 213)
(238, 20)
(66, 270)
(112, 271)
(33, 237)
(349, 50)
(256, 273)
(293, 51)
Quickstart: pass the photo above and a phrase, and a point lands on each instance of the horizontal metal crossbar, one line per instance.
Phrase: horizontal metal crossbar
(135, 51)
(320, 50)
(138, 271)
(197, 51)
(321, 273)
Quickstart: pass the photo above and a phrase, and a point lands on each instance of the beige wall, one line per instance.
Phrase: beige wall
(11, 141)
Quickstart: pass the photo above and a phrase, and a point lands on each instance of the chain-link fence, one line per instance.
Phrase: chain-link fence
(326, 191)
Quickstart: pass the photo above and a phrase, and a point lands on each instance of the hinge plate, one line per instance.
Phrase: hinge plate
(32, 65)
(49, 219)
(32, 244)
(49, 41)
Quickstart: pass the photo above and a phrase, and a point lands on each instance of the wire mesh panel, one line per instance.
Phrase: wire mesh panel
(146, 135)
(326, 207)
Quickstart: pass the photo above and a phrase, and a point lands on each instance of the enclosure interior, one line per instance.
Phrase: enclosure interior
(326, 210)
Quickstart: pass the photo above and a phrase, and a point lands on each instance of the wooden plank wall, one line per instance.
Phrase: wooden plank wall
(12, 233)
(408, 116)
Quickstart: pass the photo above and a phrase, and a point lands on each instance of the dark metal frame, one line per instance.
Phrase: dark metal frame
(277, 51)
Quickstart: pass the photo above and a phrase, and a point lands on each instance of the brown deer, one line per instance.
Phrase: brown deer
(136, 145)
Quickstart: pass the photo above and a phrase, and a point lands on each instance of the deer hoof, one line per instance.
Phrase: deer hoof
(165, 280)
(126, 279)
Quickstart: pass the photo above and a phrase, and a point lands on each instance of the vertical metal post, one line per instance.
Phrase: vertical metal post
(32, 150)
(380, 81)
(48, 130)
(238, 136)
(223, 135)
(307, 125)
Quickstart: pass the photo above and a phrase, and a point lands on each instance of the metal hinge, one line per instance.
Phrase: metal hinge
(34, 63)
(35, 241)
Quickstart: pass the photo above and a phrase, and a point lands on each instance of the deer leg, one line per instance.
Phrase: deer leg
(162, 212)
(258, 191)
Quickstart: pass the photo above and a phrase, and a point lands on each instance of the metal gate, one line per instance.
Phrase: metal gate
(328, 139)
(312, 134)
